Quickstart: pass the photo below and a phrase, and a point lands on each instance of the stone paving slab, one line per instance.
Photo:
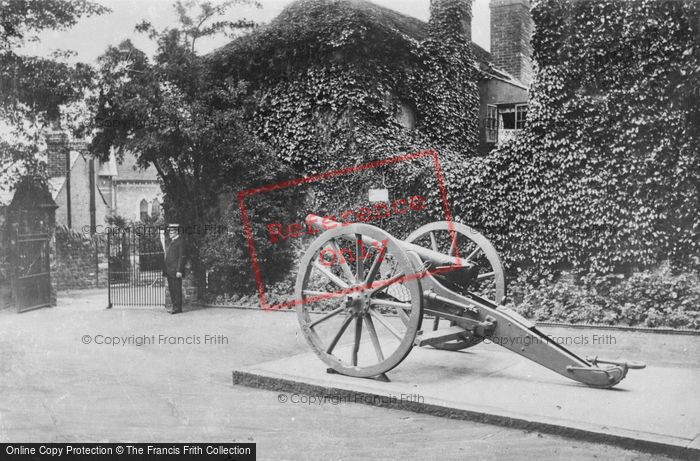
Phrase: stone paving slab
(655, 409)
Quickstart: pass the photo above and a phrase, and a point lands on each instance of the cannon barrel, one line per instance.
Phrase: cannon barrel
(435, 258)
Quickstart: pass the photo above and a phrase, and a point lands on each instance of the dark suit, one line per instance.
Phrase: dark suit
(173, 263)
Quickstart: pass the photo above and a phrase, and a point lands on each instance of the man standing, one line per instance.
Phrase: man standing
(174, 266)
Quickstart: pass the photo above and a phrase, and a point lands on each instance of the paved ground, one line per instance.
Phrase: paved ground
(56, 388)
(655, 407)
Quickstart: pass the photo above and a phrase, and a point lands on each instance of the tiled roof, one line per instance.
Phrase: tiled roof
(128, 170)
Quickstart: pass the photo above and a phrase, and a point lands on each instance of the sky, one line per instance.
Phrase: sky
(91, 36)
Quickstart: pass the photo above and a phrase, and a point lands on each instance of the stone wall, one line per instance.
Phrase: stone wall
(80, 261)
(130, 194)
(189, 291)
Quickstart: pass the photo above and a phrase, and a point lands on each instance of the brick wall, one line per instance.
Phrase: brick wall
(511, 30)
(56, 151)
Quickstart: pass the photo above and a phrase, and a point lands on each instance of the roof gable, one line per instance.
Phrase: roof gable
(129, 170)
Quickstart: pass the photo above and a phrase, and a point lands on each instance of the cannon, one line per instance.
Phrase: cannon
(362, 295)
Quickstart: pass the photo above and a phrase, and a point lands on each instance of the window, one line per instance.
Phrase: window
(143, 210)
(155, 208)
(507, 115)
(511, 119)
(491, 124)
(520, 116)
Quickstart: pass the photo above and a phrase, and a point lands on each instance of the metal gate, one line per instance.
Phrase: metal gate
(33, 277)
(135, 265)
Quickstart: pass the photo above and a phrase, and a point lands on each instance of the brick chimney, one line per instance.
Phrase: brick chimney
(511, 30)
(57, 149)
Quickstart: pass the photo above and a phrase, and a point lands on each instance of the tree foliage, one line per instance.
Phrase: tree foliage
(32, 89)
(175, 115)
(606, 174)
(40, 84)
(656, 297)
(22, 18)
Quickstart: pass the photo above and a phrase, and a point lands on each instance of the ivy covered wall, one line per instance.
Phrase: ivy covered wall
(605, 177)
(345, 82)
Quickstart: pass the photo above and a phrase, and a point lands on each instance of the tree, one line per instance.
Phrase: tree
(172, 114)
(20, 18)
(31, 88)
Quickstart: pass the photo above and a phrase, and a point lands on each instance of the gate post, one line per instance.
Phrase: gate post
(109, 272)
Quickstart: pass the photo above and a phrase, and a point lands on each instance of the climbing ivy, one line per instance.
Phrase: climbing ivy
(448, 90)
(331, 77)
(605, 176)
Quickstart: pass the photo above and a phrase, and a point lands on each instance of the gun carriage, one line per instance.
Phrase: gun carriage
(358, 282)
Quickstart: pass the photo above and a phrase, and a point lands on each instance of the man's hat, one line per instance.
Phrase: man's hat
(174, 227)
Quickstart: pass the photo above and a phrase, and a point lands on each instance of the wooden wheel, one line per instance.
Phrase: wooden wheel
(354, 309)
(472, 247)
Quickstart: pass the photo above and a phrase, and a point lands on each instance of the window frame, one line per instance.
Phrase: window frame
(147, 212)
(520, 122)
(491, 124)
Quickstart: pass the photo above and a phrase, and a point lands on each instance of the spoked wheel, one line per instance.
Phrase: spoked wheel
(471, 247)
(354, 309)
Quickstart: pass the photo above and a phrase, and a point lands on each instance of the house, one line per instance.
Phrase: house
(504, 73)
(88, 191)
